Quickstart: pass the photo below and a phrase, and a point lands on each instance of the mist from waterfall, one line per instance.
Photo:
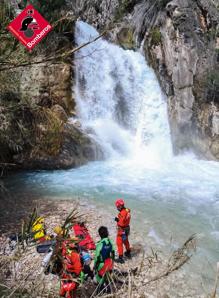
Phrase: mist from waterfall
(119, 100)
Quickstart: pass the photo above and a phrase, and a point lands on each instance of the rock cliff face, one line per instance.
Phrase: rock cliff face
(180, 42)
(48, 84)
(181, 45)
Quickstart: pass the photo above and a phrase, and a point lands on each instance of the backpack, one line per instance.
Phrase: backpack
(106, 250)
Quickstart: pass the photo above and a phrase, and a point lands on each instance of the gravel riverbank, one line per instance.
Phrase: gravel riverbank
(23, 273)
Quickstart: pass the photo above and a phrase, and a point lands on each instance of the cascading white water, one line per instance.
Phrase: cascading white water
(119, 97)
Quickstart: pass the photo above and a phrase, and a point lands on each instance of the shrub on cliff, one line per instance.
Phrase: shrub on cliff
(6, 15)
(26, 128)
(213, 86)
(124, 7)
(155, 36)
(148, 15)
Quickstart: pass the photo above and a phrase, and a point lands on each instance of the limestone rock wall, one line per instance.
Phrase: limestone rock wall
(48, 84)
(180, 43)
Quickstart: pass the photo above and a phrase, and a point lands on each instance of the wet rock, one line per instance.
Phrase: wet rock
(77, 149)
(125, 38)
(48, 84)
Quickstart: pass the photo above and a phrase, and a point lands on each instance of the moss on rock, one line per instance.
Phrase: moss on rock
(125, 38)
(155, 37)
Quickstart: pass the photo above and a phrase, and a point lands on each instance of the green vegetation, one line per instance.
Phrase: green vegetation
(51, 9)
(149, 15)
(54, 11)
(155, 36)
(124, 7)
(162, 3)
(11, 50)
(6, 15)
(8, 43)
(126, 38)
(15, 128)
(207, 86)
(29, 128)
(213, 86)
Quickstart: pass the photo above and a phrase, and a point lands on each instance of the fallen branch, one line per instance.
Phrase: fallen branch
(214, 293)
(2, 164)
(179, 258)
(130, 285)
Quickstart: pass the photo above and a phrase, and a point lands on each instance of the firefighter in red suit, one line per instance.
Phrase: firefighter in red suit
(123, 229)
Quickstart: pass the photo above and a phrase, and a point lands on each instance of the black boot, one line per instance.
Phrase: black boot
(128, 254)
(120, 260)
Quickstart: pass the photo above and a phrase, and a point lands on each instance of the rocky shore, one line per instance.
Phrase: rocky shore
(22, 272)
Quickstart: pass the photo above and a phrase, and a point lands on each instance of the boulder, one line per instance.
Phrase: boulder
(77, 149)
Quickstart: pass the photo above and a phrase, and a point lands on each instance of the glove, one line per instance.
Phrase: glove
(116, 219)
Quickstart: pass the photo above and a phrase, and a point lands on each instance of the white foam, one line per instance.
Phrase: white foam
(119, 97)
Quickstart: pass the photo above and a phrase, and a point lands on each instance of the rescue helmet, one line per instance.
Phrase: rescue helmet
(58, 230)
(119, 203)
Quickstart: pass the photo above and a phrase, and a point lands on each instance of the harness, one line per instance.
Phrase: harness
(126, 228)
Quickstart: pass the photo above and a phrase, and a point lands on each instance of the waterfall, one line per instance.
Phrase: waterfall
(119, 99)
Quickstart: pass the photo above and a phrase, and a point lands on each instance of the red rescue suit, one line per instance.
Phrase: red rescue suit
(123, 222)
(72, 268)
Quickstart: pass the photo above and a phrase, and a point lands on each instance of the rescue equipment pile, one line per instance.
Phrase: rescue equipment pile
(69, 251)
(24, 277)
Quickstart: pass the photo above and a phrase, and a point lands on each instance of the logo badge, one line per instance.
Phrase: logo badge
(29, 27)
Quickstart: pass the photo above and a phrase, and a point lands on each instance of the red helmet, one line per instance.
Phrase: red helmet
(119, 203)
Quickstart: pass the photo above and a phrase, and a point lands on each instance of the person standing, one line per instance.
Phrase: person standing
(123, 230)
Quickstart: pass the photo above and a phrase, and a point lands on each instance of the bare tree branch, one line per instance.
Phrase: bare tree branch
(48, 59)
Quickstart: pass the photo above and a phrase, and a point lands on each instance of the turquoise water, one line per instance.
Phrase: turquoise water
(175, 201)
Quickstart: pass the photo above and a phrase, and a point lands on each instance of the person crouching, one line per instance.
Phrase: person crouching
(72, 269)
